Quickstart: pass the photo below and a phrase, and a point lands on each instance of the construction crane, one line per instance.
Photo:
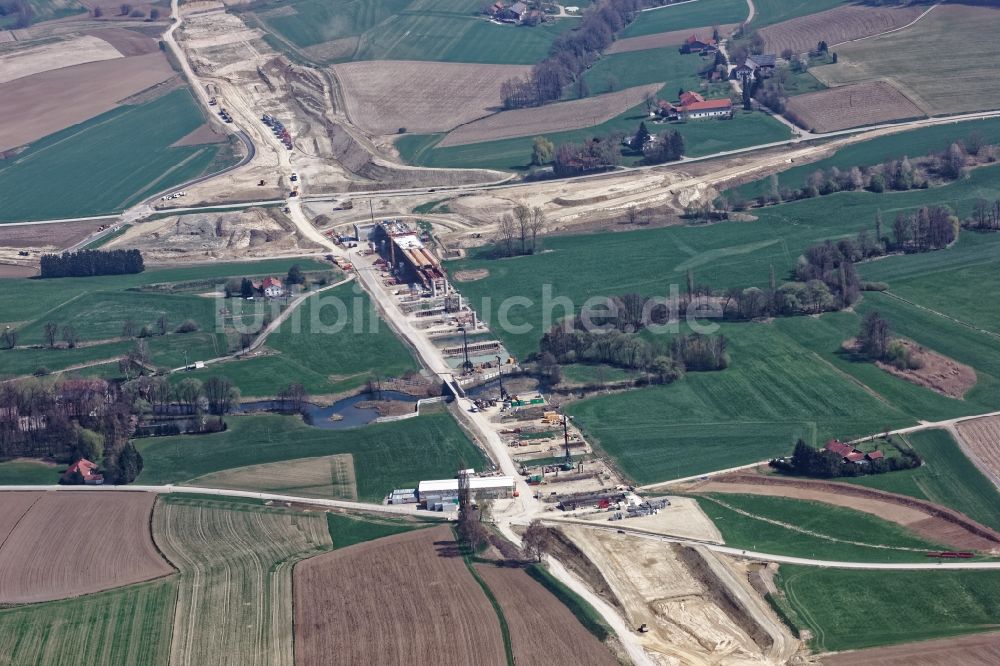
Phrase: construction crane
(567, 459)
(467, 364)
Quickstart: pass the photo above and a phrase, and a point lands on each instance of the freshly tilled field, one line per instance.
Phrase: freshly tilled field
(234, 602)
(330, 477)
(843, 24)
(851, 106)
(406, 599)
(661, 39)
(67, 544)
(982, 436)
(558, 117)
(384, 95)
(536, 618)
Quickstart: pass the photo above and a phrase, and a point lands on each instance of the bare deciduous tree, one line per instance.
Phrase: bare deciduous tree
(51, 331)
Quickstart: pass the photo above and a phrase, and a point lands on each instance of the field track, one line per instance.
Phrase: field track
(975, 650)
(557, 117)
(234, 604)
(56, 545)
(661, 39)
(836, 26)
(931, 521)
(536, 618)
(851, 106)
(982, 437)
(405, 599)
(385, 95)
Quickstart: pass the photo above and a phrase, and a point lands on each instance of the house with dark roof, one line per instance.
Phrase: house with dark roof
(741, 72)
(696, 44)
(763, 64)
(83, 471)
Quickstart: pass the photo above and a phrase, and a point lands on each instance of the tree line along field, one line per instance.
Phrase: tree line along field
(107, 163)
(449, 31)
(98, 307)
(897, 57)
(385, 455)
(911, 143)
(847, 610)
(824, 531)
(757, 407)
(306, 348)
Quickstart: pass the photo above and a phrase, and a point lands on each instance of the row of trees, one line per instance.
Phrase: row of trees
(985, 215)
(20, 9)
(570, 56)
(823, 464)
(518, 231)
(70, 420)
(86, 263)
(666, 359)
(892, 175)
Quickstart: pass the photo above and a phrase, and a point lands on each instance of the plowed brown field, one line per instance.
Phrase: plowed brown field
(982, 436)
(406, 599)
(558, 117)
(843, 24)
(382, 96)
(851, 106)
(542, 630)
(67, 544)
(72, 95)
(978, 650)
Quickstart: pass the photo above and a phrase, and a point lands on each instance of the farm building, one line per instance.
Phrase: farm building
(713, 108)
(741, 72)
(690, 97)
(83, 471)
(272, 287)
(763, 64)
(407, 255)
(696, 44)
(849, 454)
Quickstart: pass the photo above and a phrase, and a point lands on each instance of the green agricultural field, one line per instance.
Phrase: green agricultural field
(450, 31)
(322, 350)
(947, 477)
(98, 307)
(720, 255)
(847, 610)
(598, 373)
(835, 533)
(699, 14)
(107, 163)
(774, 392)
(913, 143)
(635, 68)
(897, 57)
(16, 473)
(386, 455)
(702, 137)
(121, 627)
(349, 529)
(776, 11)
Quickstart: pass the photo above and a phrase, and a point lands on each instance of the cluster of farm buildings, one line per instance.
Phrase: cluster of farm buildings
(517, 13)
(849, 454)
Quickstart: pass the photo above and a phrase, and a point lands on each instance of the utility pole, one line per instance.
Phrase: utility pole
(568, 461)
(500, 378)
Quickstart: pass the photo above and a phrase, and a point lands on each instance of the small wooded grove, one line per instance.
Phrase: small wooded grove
(70, 420)
(87, 263)
(823, 464)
